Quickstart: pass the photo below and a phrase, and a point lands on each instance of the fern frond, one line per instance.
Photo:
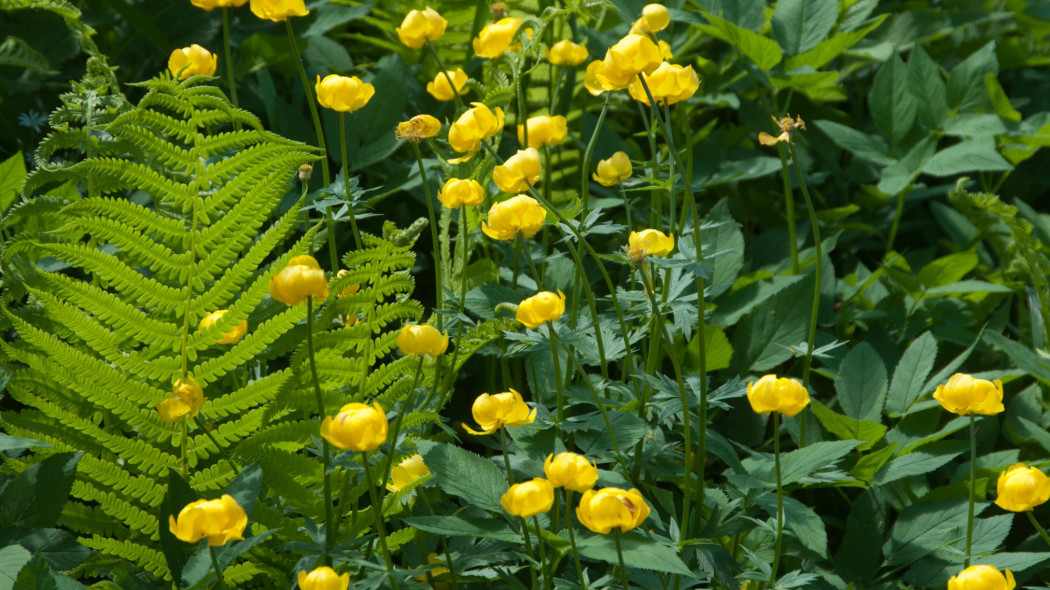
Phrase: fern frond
(150, 559)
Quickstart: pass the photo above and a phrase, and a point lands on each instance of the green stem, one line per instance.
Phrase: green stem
(528, 259)
(439, 277)
(397, 424)
(444, 70)
(1038, 527)
(543, 554)
(817, 275)
(626, 206)
(220, 583)
(377, 510)
(572, 538)
(528, 550)
(523, 115)
(896, 221)
(330, 524)
(585, 165)
(973, 483)
(506, 453)
(619, 556)
(601, 407)
(326, 175)
(462, 290)
(229, 59)
(780, 501)
(557, 379)
(346, 195)
(789, 200)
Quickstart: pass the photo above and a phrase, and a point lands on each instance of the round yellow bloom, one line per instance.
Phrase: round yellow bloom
(630, 56)
(982, 577)
(302, 278)
(220, 520)
(519, 171)
(541, 308)
(187, 398)
(278, 10)
(571, 471)
(495, 38)
(613, 170)
(421, 26)
(417, 340)
(323, 578)
(342, 93)
(783, 395)
(493, 412)
(418, 128)
(458, 192)
(191, 61)
(440, 89)
(566, 53)
(476, 124)
(406, 472)
(517, 214)
(649, 242)
(544, 130)
(964, 395)
(528, 498)
(654, 18)
(1022, 488)
(668, 83)
(602, 510)
(210, 4)
(356, 427)
(590, 78)
(231, 337)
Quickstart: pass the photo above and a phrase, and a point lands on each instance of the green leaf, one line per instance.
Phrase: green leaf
(12, 559)
(858, 143)
(763, 51)
(825, 51)
(725, 237)
(1025, 358)
(858, 558)
(1000, 102)
(846, 428)
(910, 375)
(948, 269)
(974, 125)
(326, 17)
(35, 498)
(933, 456)
(638, 552)
(798, 25)
(966, 91)
(898, 176)
(923, 527)
(177, 496)
(763, 339)
(465, 475)
(456, 526)
(327, 55)
(12, 174)
(942, 375)
(17, 444)
(36, 575)
(861, 383)
(892, 108)
(926, 86)
(964, 287)
(870, 463)
(800, 520)
(749, 14)
(977, 154)
(245, 488)
(800, 463)
(58, 547)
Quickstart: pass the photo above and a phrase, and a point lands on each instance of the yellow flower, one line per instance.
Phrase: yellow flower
(406, 472)
(787, 128)
(493, 412)
(541, 308)
(630, 56)
(783, 395)
(613, 170)
(417, 340)
(350, 289)
(602, 510)
(231, 337)
(964, 395)
(528, 498)
(191, 61)
(517, 214)
(544, 130)
(210, 4)
(278, 10)
(187, 398)
(571, 471)
(1022, 488)
(519, 171)
(982, 577)
(342, 93)
(566, 53)
(648, 242)
(323, 578)
(654, 18)
(302, 278)
(356, 427)
(418, 128)
(590, 78)
(220, 520)
(458, 192)
(665, 49)
(420, 26)
(669, 84)
(433, 558)
(472, 127)
(495, 38)
(440, 88)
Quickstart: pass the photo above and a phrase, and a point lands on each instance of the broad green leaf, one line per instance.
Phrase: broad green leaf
(465, 475)
(726, 237)
(800, 520)
(801, 462)
(326, 17)
(926, 86)
(861, 383)
(931, 457)
(749, 14)
(35, 498)
(964, 287)
(974, 125)
(966, 89)
(860, 144)
(12, 174)
(925, 526)
(763, 51)
(59, 548)
(821, 86)
(638, 552)
(869, 464)
(825, 51)
(455, 526)
(717, 350)
(858, 558)
(1000, 102)
(798, 25)
(910, 375)
(892, 108)
(17, 444)
(948, 269)
(245, 488)
(846, 428)
(327, 55)
(1025, 358)
(898, 176)
(947, 371)
(763, 339)
(12, 559)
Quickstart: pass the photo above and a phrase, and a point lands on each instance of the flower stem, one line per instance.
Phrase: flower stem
(397, 424)
(229, 59)
(346, 195)
(439, 277)
(326, 175)
(789, 201)
(619, 556)
(528, 550)
(1038, 527)
(444, 70)
(896, 221)
(973, 492)
(543, 554)
(818, 273)
(601, 407)
(506, 453)
(464, 249)
(572, 538)
(377, 511)
(185, 464)
(330, 525)
(778, 548)
(557, 380)
(220, 583)
(528, 258)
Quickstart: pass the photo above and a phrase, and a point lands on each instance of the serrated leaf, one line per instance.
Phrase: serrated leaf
(862, 383)
(12, 174)
(763, 339)
(35, 498)
(925, 83)
(898, 176)
(932, 456)
(892, 108)
(856, 142)
(763, 51)
(800, 520)
(857, 559)
(638, 552)
(12, 559)
(974, 125)
(799, 25)
(977, 154)
(825, 51)
(455, 526)
(465, 475)
(948, 269)
(910, 375)
(966, 91)
(846, 428)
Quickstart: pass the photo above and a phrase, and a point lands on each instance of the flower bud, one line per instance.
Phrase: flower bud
(458, 192)
(476, 124)
(323, 578)
(220, 520)
(613, 170)
(783, 395)
(417, 340)
(493, 412)
(418, 128)
(607, 508)
(187, 398)
(528, 498)
(982, 577)
(964, 395)
(211, 4)
(192, 60)
(541, 308)
(278, 10)
(306, 171)
(648, 242)
(668, 84)
(420, 26)
(406, 472)
(544, 130)
(1022, 488)
(566, 53)
(495, 38)
(342, 93)
(517, 214)
(519, 171)
(570, 471)
(440, 89)
(302, 278)
(356, 427)
(654, 18)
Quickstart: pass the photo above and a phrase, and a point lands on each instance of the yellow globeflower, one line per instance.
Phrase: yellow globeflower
(519, 171)
(590, 78)
(544, 130)
(648, 242)
(493, 412)
(302, 278)
(406, 472)
(608, 508)
(495, 38)
(418, 128)
(211, 4)
(420, 26)
(440, 89)
(356, 427)
(633, 55)
(1022, 488)
(323, 578)
(566, 53)
(345, 94)
(964, 395)
(571, 471)
(517, 214)
(192, 60)
(458, 192)
(417, 340)
(187, 398)
(231, 337)
(528, 498)
(278, 10)
(654, 18)
(219, 520)
(476, 124)
(783, 395)
(668, 84)
(541, 308)
(982, 577)
(613, 170)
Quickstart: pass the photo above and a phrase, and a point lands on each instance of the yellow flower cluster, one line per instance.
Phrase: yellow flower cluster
(278, 10)
(323, 578)
(570, 471)
(440, 89)
(231, 337)
(519, 171)
(494, 40)
(473, 126)
(301, 278)
(345, 94)
(458, 192)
